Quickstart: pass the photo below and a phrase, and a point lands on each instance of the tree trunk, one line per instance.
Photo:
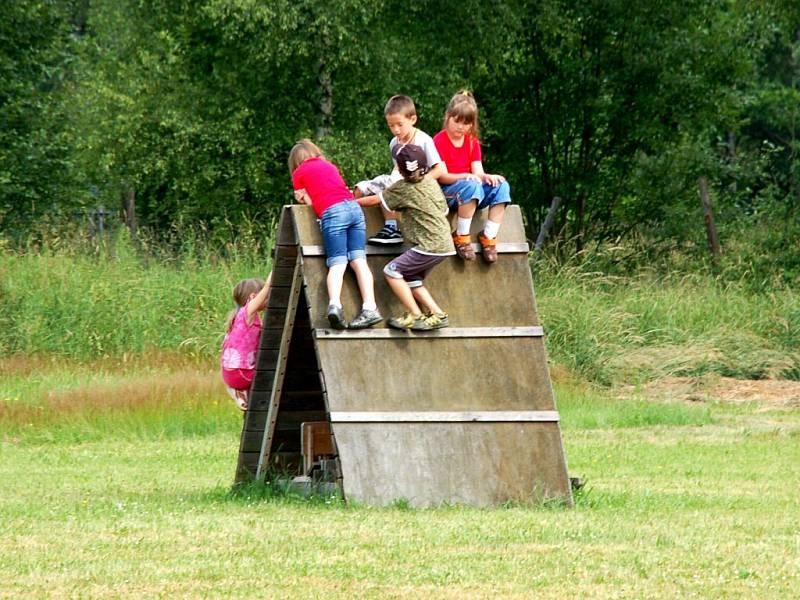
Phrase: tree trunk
(732, 159)
(580, 213)
(325, 116)
(129, 208)
(80, 17)
(548, 224)
(708, 218)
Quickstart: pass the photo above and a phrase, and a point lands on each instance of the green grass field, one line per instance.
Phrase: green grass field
(118, 447)
(117, 484)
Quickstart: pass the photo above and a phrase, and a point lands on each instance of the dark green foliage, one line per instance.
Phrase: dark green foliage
(191, 107)
(35, 149)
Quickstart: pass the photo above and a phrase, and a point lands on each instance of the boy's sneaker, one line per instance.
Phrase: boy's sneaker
(489, 248)
(336, 317)
(463, 246)
(366, 319)
(388, 235)
(431, 321)
(405, 321)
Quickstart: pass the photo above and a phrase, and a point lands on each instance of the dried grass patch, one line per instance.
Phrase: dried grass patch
(768, 394)
(166, 391)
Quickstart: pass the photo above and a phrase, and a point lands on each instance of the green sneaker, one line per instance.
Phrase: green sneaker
(405, 321)
(432, 321)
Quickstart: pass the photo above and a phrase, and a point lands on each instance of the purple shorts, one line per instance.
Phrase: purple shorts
(412, 266)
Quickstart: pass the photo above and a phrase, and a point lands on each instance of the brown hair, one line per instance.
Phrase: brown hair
(301, 151)
(416, 176)
(400, 105)
(463, 108)
(241, 294)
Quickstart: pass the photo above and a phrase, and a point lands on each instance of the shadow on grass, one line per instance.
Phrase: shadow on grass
(275, 488)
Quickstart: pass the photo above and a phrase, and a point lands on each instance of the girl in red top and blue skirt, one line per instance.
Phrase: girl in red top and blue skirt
(317, 182)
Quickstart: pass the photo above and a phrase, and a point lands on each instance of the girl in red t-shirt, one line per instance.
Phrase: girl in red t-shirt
(318, 182)
(465, 184)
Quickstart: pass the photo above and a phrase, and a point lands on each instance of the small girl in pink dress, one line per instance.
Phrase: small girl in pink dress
(240, 346)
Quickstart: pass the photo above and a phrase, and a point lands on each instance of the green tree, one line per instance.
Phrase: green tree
(588, 93)
(35, 147)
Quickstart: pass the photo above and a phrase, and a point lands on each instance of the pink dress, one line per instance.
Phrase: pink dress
(239, 351)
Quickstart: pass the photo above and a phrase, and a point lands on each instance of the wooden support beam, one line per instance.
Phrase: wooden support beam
(283, 353)
(446, 332)
(433, 416)
(394, 250)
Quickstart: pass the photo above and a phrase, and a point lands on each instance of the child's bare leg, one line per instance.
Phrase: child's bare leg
(404, 294)
(388, 214)
(365, 282)
(334, 282)
(424, 298)
(497, 212)
(467, 210)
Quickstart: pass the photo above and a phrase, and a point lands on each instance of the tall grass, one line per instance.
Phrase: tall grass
(71, 300)
(649, 325)
(124, 297)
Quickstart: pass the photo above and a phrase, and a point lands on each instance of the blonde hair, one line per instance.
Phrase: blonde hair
(400, 105)
(241, 294)
(302, 151)
(463, 108)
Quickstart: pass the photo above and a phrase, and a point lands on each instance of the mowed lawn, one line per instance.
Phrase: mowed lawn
(110, 492)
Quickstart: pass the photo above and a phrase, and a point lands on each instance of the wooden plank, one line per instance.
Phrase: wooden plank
(395, 250)
(480, 464)
(286, 230)
(283, 353)
(295, 379)
(279, 296)
(473, 293)
(447, 332)
(438, 416)
(449, 374)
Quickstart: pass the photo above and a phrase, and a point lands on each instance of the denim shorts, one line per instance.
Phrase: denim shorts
(463, 191)
(344, 231)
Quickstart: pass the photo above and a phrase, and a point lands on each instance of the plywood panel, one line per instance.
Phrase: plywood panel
(432, 463)
(473, 294)
(436, 374)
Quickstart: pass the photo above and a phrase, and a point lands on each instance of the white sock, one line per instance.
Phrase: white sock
(369, 306)
(463, 225)
(490, 229)
(391, 223)
(336, 303)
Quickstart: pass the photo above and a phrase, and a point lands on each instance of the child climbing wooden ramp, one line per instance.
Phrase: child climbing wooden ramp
(463, 414)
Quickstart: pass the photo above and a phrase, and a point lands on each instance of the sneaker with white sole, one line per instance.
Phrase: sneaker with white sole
(336, 317)
(366, 318)
(404, 322)
(389, 234)
(431, 321)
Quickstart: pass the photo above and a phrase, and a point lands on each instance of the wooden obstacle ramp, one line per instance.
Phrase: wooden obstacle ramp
(464, 414)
